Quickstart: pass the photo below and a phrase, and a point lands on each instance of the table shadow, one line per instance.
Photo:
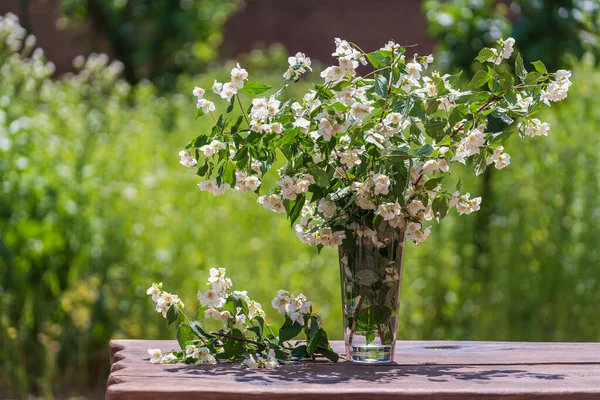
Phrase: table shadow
(328, 373)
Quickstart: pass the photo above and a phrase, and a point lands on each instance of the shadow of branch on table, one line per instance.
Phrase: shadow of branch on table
(327, 373)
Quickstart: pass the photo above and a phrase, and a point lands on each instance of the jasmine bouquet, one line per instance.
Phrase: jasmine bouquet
(366, 156)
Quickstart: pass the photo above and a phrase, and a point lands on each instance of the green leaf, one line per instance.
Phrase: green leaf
(199, 331)
(316, 336)
(380, 58)
(289, 330)
(440, 206)
(328, 353)
(184, 335)
(520, 67)
(367, 277)
(381, 86)
(297, 209)
(299, 352)
(233, 347)
(374, 315)
(202, 170)
(434, 127)
(484, 55)
(369, 337)
(540, 67)
(230, 106)
(423, 151)
(479, 79)
(433, 182)
(236, 125)
(254, 87)
(532, 78)
(172, 314)
(321, 177)
(199, 113)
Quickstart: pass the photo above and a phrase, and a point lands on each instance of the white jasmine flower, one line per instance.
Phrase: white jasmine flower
(420, 236)
(283, 301)
(255, 309)
(155, 291)
(327, 207)
(240, 321)
(250, 362)
(496, 58)
(211, 298)
(302, 183)
(186, 159)
(415, 206)
(202, 354)
(238, 75)
(169, 359)
(414, 69)
(298, 66)
(217, 87)
(155, 356)
(535, 127)
(206, 105)
(426, 61)
(360, 110)
(303, 124)
(272, 202)
(499, 158)
(466, 205)
(198, 92)
(189, 350)
(454, 199)
(298, 317)
(507, 49)
(413, 227)
(271, 361)
(212, 187)
(212, 148)
(228, 91)
(382, 184)
(348, 64)
(332, 74)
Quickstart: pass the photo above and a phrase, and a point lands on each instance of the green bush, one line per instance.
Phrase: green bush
(94, 207)
(156, 39)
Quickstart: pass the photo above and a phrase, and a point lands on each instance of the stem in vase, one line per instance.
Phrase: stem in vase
(356, 311)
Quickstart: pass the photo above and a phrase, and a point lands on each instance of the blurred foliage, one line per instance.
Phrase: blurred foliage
(157, 39)
(94, 206)
(502, 253)
(553, 31)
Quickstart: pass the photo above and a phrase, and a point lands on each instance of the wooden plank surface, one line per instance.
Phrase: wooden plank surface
(423, 370)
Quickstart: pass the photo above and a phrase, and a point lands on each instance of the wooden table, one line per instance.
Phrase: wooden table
(423, 370)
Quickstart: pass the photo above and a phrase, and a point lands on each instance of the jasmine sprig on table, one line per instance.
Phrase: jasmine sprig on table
(246, 335)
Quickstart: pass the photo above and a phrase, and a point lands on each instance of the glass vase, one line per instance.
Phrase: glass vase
(371, 279)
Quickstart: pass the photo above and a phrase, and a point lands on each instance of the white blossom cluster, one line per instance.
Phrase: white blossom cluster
(298, 65)
(295, 307)
(216, 297)
(200, 354)
(163, 299)
(157, 357)
(229, 89)
(261, 361)
(504, 53)
(558, 89)
(347, 127)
